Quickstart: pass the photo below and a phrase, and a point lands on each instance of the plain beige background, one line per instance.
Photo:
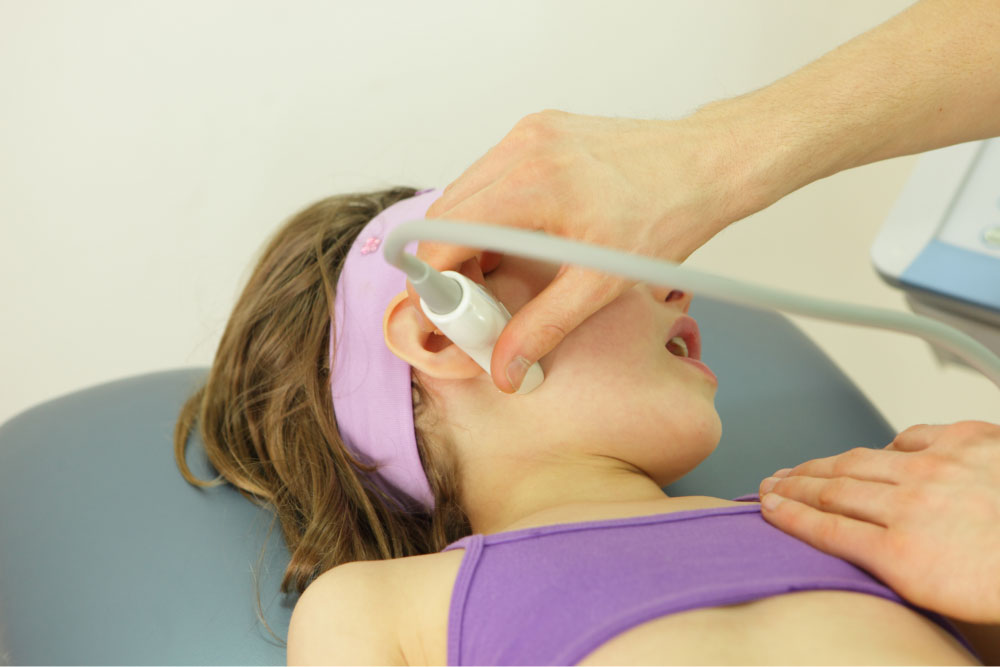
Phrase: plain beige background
(147, 149)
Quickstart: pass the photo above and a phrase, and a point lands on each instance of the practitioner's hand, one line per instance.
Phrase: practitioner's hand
(922, 515)
(652, 187)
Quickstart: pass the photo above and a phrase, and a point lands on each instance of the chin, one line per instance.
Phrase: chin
(697, 445)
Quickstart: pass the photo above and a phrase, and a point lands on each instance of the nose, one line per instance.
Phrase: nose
(674, 297)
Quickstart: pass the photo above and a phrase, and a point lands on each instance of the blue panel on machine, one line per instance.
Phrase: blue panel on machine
(956, 273)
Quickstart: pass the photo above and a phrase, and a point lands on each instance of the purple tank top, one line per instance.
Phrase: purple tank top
(551, 595)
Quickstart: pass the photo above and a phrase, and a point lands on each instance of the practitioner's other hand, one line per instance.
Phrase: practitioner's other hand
(922, 515)
(653, 187)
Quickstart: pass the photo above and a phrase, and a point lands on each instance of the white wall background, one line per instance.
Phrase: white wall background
(148, 148)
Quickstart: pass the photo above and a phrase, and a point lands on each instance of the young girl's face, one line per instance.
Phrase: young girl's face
(611, 387)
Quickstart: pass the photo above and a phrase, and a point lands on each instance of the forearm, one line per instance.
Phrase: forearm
(927, 78)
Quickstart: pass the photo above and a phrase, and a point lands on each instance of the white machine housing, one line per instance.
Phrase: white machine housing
(941, 241)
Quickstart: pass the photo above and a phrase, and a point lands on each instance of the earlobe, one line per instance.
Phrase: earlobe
(431, 353)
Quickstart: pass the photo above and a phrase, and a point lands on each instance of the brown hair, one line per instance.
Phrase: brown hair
(266, 418)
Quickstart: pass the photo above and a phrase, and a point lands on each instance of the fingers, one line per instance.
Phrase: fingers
(502, 212)
(524, 213)
(490, 261)
(485, 171)
(861, 500)
(857, 541)
(485, 263)
(917, 437)
(472, 268)
(573, 295)
(446, 256)
(874, 465)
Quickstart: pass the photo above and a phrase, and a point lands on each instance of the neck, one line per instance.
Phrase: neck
(524, 494)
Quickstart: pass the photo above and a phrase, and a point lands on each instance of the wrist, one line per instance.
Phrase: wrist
(773, 151)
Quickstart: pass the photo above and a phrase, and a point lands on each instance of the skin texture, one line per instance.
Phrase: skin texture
(617, 417)
(927, 78)
(921, 514)
(646, 187)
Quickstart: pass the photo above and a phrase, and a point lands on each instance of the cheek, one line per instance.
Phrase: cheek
(617, 340)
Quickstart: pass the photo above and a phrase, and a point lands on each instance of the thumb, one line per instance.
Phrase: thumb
(540, 325)
(441, 257)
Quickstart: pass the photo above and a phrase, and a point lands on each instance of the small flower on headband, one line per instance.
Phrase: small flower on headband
(371, 245)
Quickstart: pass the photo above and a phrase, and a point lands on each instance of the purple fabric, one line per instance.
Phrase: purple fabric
(551, 595)
(370, 386)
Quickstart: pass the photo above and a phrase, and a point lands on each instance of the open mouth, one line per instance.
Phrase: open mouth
(684, 339)
(677, 346)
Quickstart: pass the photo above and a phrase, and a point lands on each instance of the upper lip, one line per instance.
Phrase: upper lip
(687, 328)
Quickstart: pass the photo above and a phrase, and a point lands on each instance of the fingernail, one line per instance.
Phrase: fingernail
(516, 371)
(768, 484)
(782, 473)
(771, 501)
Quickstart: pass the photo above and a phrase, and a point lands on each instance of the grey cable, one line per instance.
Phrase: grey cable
(441, 293)
(664, 273)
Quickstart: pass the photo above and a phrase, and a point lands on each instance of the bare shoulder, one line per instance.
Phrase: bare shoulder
(391, 612)
(422, 589)
(344, 618)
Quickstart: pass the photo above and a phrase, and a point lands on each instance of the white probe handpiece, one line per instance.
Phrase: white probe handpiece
(475, 325)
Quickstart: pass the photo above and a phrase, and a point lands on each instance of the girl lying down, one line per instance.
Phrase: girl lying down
(432, 519)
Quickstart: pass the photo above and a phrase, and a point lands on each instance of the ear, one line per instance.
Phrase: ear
(430, 353)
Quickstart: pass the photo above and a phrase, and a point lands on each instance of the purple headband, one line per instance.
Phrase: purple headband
(372, 399)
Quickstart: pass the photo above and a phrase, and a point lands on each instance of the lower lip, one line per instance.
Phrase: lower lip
(704, 369)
